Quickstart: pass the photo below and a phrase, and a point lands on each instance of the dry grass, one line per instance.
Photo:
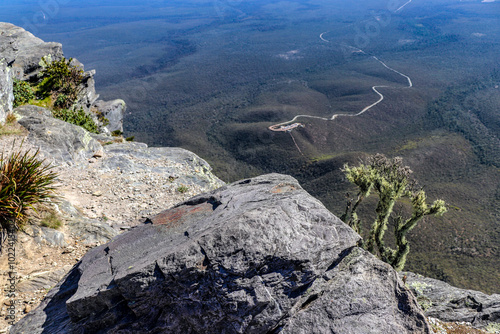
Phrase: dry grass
(11, 127)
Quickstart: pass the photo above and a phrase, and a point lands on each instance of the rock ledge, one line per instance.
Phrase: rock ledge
(258, 256)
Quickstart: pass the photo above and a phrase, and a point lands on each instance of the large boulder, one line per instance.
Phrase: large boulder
(447, 303)
(23, 51)
(257, 256)
(6, 90)
(60, 141)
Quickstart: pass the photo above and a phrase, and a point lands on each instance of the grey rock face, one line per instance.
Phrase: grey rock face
(113, 111)
(6, 90)
(87, 96)
(123, 155)
(63, 142)
(43, 280)
(45, 235)
(257, 256)
(89, 231)
(447, 303)
(23, 51)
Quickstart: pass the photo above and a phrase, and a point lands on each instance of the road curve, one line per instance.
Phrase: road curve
(283, 126)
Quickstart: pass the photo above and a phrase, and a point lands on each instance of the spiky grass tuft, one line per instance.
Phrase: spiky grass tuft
(24, 181)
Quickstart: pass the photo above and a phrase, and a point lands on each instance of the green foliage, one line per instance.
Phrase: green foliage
(391, 181)
(45, 103)
(61, 101)
(24, 181)
(116, 133)
(104, 121)
(131, 138)
(182, 189)
(60, 80)
(78, 117)
(23, 93)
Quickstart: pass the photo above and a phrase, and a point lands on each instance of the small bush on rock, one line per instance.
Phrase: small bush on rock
(11, 127)
(60, 80)
(182, 189)
(23, 93)
(78, 117)
(51, 220)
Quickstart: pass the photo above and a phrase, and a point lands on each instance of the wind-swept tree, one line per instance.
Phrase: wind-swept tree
(391, 181)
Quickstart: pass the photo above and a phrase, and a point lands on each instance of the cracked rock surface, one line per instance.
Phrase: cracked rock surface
(257, 256)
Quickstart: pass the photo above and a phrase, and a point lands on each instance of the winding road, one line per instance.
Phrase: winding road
(397, 10)
(285, 127)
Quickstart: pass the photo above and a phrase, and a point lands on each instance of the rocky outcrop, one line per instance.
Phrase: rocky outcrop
(114, 112)
(23, 51)
(257, 256)
(445, 302)
(139, 179)
(6, 90)
(127, 158)
(60, 141)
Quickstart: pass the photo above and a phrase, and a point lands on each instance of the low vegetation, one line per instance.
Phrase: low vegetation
(51, 220)
(23, 93)
(182, 189)
(24, 181)
(78, 117)
(57, 89)
(391, 181)
(11, 127)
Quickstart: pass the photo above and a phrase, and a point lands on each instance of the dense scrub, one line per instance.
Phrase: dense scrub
(58, 88)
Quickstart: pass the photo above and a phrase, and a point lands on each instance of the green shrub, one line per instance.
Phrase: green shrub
(24, 181)
(60, 80)
(23, 93)
(104, 121)
(182, 189)
(61, 101)
(78, 117)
